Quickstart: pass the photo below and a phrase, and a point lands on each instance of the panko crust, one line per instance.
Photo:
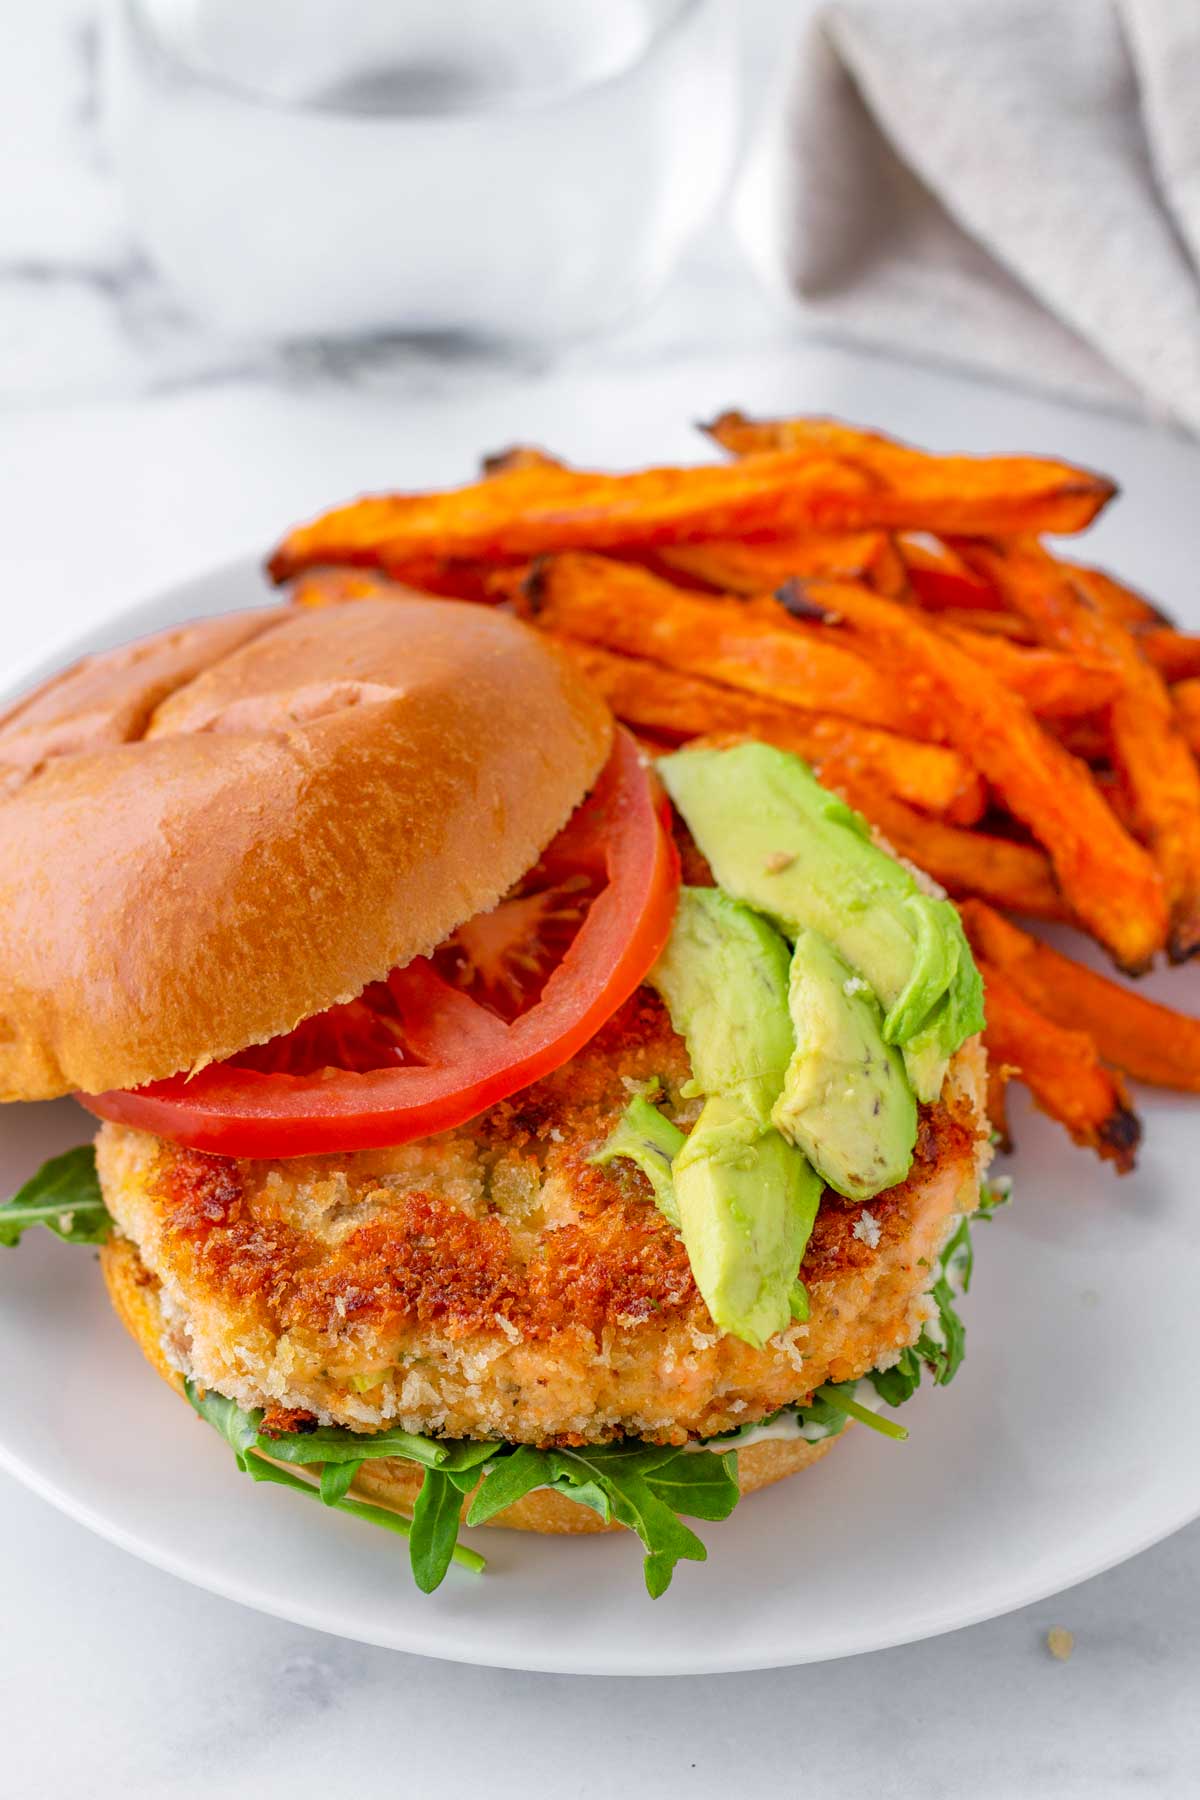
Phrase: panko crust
(500, 1285)
(388, 1481)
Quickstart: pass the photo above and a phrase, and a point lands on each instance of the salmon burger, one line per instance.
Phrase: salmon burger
(458, 1161)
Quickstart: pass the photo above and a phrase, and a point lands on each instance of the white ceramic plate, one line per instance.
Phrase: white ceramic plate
(1070, 1440)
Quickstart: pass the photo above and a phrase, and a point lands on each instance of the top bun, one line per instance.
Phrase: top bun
(211, 835)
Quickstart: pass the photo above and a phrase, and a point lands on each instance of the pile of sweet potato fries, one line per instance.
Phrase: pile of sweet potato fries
(1023, 727)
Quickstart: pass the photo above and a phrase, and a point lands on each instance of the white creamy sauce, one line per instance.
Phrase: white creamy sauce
(790, 1425)
(932, 1329)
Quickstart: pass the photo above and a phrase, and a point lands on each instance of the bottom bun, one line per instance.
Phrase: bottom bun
(134, 1292)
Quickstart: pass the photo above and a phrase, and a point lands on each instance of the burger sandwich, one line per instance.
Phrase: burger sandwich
(496, 1125)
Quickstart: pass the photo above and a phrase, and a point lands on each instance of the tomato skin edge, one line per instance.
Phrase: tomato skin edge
(215, 1112)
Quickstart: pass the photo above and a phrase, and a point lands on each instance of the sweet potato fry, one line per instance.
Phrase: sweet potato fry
(448, 580)
(1175, 654)
(1088, 740)
(734, 567)
(940, 578)
(1149, 1042)
(1052, 685)
(332, 587)
(1107, 879)
(622, 607)
(1062, 1070)
(519, 456)
(1113, 598)
(1185, 698)
(986, 624)
(669, 705)
(527, 510)
(1013, 493)
(1147, 747)
(1009, 874)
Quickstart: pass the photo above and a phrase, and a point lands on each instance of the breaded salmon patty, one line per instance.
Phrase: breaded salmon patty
(494, 1282)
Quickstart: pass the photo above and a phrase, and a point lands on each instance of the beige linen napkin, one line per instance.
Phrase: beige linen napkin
(1013, 184)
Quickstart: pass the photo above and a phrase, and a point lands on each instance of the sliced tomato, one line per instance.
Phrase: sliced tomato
(509, 997)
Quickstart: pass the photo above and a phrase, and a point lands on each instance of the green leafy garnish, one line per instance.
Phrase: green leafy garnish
(645, 1487)
(651, 1142)
(901, 1381)
(337, 1478)
(941, 1346)
(509, 1479)
(261, 1470)
(333, 1444)
(65, 1197)
(342, 1454)
(840, 1395)
(434, 1536)
(238, 1428)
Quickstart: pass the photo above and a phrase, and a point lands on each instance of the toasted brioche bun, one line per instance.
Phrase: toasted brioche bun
(134, 1293)
(210, 836)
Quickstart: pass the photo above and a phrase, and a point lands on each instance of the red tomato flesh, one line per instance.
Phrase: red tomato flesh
(512, 995)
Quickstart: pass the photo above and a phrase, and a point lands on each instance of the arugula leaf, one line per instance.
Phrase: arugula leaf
(64, 1196)
(667, 1540)
(901, 1381)
(261, 1470)
(251, 1452)
(643, 1486)
(618, 1474)
(337, 1478)
(238, 1428)
(466, 1479)
(840, 1395)
(508, 1480)
(333, 1443)
(941, 1346)
(434, 1536)
(698, 1486)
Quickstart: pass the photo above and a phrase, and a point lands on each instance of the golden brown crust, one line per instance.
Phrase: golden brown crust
(136, 1298)
(135, 1295)
(208, 837)
(499, 1284)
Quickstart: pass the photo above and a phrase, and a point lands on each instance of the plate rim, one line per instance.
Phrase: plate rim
(457, 1648)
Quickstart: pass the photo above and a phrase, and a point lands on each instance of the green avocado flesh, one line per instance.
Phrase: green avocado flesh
(778, 841)
(746, 1199)
(846, 1100)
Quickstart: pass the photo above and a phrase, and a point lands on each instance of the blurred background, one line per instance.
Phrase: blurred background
(195, 189)
(205, 190)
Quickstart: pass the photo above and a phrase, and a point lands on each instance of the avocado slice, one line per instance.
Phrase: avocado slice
(652, 1143)
(747, 1201)
(746, 1198)
(777, 840)
(846, 1099)
(724, 976)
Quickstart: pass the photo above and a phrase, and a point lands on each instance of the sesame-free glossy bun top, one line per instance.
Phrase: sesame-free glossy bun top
(210, 835)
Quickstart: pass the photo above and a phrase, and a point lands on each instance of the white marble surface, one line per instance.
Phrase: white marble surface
(136, 450)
